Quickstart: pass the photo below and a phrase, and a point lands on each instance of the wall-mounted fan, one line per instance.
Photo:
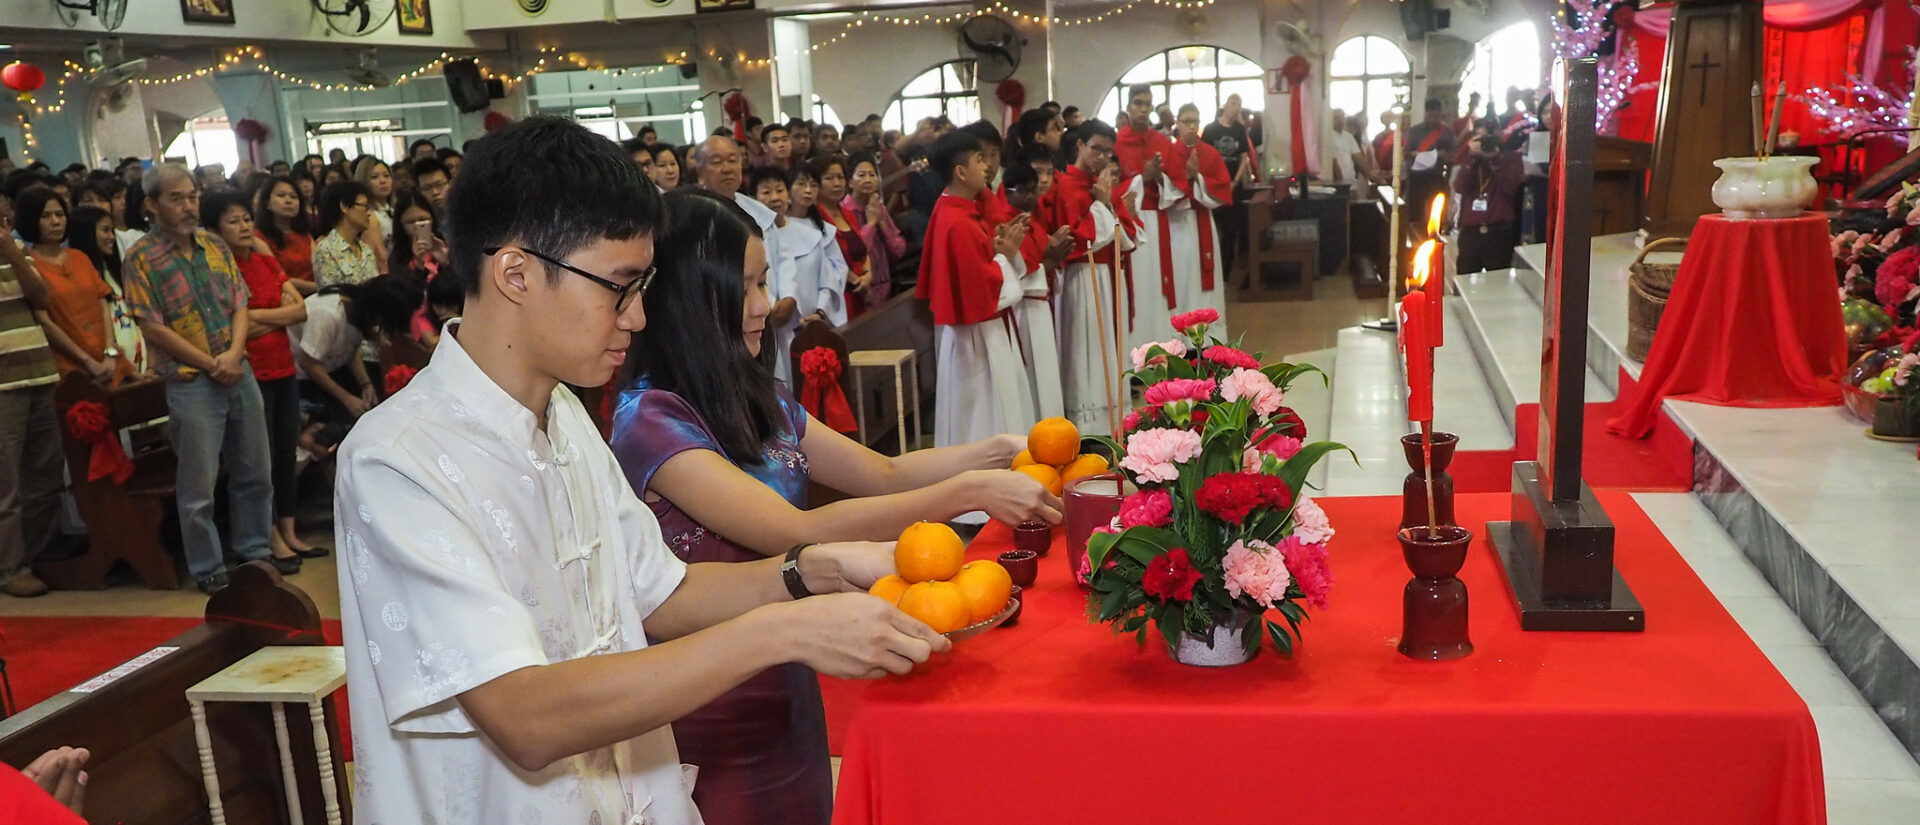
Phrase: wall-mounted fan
(110, 65)
(367, 71)
(995, 45)
(353, 18)
(110, 13)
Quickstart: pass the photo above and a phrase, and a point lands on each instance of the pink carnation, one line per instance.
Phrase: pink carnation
(1130, 422)
(1281, 447)
(1310, 523)
(1308, 564)
(1257, 570)
(1913, 217)
(1186, 321)
(1141, 360)
(1147, 508)
(1152, 455)
(1181, 389)
(1254, 386)
(1229, 357)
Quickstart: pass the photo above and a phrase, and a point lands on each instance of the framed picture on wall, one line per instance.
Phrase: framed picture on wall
(723, 5)
(416, 17)
(207, 11)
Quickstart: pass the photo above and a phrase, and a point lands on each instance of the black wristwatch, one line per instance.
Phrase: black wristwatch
(790, 572)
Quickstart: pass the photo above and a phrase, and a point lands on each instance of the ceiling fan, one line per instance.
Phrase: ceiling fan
(110, 13)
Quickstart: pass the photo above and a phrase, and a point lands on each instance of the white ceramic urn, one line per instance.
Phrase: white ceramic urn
(1777, 187)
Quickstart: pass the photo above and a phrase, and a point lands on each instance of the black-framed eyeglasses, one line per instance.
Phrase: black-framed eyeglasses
(624, 292)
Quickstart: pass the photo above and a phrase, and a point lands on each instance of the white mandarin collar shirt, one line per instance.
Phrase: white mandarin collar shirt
(474, 543)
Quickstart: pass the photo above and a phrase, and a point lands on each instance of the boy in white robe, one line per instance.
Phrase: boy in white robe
(1087, 306)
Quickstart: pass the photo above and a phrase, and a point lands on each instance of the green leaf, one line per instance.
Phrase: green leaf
(1283, 374)
(1103, 443)
(1111, 606)
(1098, 546)
(1179, 367)
(1169, 623)
(1281, 639)
(1294, 472)
(1250, 635)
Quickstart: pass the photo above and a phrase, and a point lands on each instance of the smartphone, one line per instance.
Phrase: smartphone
(421, 230)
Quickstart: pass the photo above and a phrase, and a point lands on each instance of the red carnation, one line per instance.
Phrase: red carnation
(1228, 496)
(1229, 357)
(1287, 422)
(1170, 577)
(1186, 321)
(1895, 278)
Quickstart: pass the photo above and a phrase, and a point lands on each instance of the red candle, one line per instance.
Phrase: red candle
(1415, 340)
(1436, 284)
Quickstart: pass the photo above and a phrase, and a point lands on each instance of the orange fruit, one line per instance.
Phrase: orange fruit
(1087, 464)
(928, 552)
(1047, 476)
(987, 587)
(941, 605)
(1022, 460)
(889, 587)
(1054, 441)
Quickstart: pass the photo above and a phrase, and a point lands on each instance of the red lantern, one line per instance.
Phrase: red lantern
(494, 121)
(23, 77)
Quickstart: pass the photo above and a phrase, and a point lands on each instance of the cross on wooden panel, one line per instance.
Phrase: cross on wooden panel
(1706, 62)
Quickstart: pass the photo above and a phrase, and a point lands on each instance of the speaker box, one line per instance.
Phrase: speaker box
(689, 70)
(496, 88)
(465, 87)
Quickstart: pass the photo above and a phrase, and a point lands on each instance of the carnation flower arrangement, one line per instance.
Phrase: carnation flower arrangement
(1218, 533)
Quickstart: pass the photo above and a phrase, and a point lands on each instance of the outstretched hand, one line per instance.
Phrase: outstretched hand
(60, 773)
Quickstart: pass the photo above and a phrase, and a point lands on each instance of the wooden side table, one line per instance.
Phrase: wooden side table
(904, 364)
(276, 675)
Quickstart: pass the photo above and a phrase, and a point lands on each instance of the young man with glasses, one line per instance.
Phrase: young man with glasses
(500, 582)
(432, 178)
(185, 289)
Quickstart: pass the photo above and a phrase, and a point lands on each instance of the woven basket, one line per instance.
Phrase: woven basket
(1644, 308)
(1657, 278)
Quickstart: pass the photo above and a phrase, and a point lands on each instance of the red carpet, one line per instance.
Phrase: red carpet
(1662, 461)
(47, 655)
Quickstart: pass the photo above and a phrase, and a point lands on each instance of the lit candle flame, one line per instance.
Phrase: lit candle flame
(1422, 259)
(1433, 215)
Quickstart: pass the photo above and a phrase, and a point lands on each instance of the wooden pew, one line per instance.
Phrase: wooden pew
(123, 520)
(145, 767)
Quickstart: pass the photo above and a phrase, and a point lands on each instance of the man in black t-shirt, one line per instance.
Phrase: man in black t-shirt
(1228, 135)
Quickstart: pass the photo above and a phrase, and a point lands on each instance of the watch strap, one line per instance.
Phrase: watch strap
(790, 573)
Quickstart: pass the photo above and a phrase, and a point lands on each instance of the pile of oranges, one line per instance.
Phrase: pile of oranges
(937, 585)
(1053, 455)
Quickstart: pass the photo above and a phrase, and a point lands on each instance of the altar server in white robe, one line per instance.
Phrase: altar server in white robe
(1199, 183)
(1148, 275)
(1087, 305)
(809, 278)
(1022, 186)
(518, 631)
(969, 279)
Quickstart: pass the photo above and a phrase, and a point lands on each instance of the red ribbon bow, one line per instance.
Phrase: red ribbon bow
(823, 397)
(90, 423)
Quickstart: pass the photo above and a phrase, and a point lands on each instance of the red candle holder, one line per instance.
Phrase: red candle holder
(1434, 625)
(1092, 502)
(1413, 491)
(1019, 603)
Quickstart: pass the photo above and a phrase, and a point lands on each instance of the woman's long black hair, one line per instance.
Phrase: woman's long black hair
(692, 345)
(400, 246)
(81, 236)
(263, 222)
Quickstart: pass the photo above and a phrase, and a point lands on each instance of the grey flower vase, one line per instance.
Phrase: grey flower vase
(1222, 646)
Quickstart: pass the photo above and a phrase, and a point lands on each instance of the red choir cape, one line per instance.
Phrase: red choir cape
(995, 209)
(958, 277)
(1134, 146)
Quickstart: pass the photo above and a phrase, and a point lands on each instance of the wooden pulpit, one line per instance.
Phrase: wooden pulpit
(1713, 60)
(1619, 183)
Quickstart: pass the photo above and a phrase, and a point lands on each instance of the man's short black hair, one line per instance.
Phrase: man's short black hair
(761, 174)
(753, 124)
(987, 133)
(1018, 175)
(950, 150)
(335, 199)
(1137, 90)
(1070, 111)
(1087, 130)
(549, 184)
(648, 130)
(1051, 105)
(446, 153)
(1434, 104)
(634, 144)
(413, 147)
(770, 129)
(870, 118)
(428, 166)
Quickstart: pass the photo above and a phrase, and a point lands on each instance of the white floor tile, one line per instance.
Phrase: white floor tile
(1855, 744)
(1769, 622)
(1873, 801)
(1819, 682)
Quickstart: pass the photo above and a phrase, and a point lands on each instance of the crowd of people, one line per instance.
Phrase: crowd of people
(266, 301)
(509, 606)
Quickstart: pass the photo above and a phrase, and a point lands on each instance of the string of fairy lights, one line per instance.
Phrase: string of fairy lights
(997, 7)
(245, 57)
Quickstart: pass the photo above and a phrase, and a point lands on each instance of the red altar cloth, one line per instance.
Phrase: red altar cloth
(1754, 321)
(1059, 721)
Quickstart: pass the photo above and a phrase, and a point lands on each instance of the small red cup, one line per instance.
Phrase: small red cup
(1022, 565)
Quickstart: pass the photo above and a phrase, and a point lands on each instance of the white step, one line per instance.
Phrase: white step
(1502, 321)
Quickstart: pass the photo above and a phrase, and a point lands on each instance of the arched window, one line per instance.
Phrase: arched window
(1201, 75)
(1367, 74)
(206, 140)
(946, 89)
(1506, 59)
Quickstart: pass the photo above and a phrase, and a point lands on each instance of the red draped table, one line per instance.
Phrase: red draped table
(1753, 321)
(1058, 721)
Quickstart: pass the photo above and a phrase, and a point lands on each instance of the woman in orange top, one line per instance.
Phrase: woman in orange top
(280, 218)
(79, 314)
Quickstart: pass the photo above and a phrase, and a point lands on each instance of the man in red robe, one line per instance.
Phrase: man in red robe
(1199, 183)
(1087, 308)
(969, 279)
(1148, 276)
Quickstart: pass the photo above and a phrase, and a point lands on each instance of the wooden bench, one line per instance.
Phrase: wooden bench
(123, 520)
(145, 767)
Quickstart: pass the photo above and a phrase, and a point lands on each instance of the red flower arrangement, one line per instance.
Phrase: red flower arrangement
(399, 377)
(1896, 277)
(1229, 357)
(1170, 577)
(1187, 321)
